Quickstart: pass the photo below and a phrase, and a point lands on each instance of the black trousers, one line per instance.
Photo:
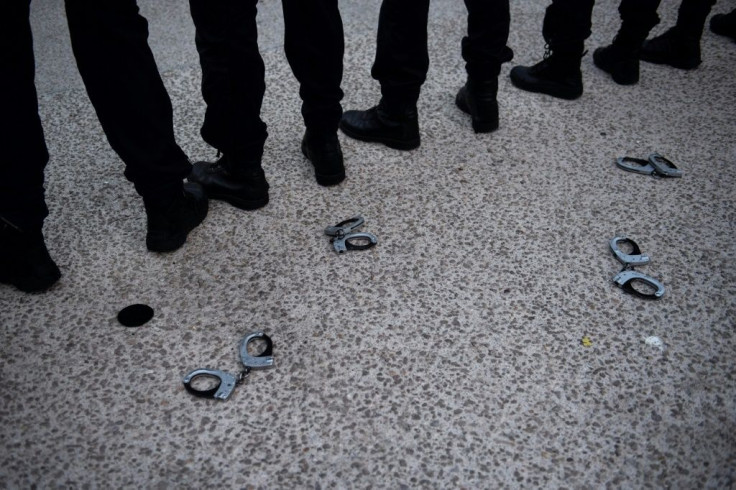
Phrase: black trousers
(233, 71)
(567, 23)
(110, 45)
(402, 59)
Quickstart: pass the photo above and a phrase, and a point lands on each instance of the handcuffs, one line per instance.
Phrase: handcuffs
(627, 276)
(227, 381)
(655, 165)
(344, 238)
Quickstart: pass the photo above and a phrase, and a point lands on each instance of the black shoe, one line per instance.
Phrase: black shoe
(673, 49)
(170, 223)
(479, 100)
(621, 63)
(395, 130)
(24, 260)
(245, 188)
(554, 75)
(326, 157)
(724, 24)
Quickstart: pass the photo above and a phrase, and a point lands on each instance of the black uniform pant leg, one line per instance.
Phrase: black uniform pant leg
(314, 43)
(24, 154)
(567, 23)
(110, 44)
(691, 17)
(639, 16)
(402, 60)
(484, 48)
(233, 74)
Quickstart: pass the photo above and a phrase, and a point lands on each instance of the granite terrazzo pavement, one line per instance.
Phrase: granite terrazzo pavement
(450, 355)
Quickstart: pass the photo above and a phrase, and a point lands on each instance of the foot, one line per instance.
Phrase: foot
(551, 76)
(724, 24)
(479, 100)
(24, 260)
(326, 157)
(622, 64)
(244, 187)
(673, 49)
(170, 224)
(398, 131)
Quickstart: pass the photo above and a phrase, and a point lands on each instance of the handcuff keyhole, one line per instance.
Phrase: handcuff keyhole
(642, 287)
(204, 382)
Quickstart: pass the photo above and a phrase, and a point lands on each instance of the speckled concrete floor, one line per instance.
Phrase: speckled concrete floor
(450, 355)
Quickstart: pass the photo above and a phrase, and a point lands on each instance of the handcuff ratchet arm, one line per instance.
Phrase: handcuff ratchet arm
(635, 258)
(223, 389)
(345, 227)
(625, 278)
(262, 360)
(351, 242)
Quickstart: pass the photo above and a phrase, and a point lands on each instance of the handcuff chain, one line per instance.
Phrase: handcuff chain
(242, 375)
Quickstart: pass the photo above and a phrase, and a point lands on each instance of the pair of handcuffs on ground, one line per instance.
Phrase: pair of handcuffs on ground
(344, 236)
(226, 381)
(628, 277)
(656, 165)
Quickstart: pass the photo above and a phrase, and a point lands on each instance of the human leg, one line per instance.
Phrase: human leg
(110, 44)
(679, 46)
(314, 46)
(484, 50)
(24, 259)
(400, 67)
(566, 26)
(621, 57)
(233, 84)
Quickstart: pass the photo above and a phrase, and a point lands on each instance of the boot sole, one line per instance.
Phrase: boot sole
(244, 204)
(240, 203)
(165, 244)
(391, 143)
(690, 65)
(479, 125)
(546, 88)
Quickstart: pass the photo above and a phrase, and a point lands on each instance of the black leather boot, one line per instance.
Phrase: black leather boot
(24, 260)
(620, 59)
(326, 157)
(672, 48)
(243, 186)
(169, 222)
(395, 127)
(557, 75)
(479, 100)
(621, 63)
(724, 24)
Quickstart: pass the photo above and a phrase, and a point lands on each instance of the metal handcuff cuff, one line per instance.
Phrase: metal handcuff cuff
(344, 238)
(628, 276)
(227, 381)
(656, 165)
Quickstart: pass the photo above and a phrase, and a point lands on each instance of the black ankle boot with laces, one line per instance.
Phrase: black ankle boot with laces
(558, 74)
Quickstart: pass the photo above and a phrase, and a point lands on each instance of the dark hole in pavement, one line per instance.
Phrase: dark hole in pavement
(135, 315)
